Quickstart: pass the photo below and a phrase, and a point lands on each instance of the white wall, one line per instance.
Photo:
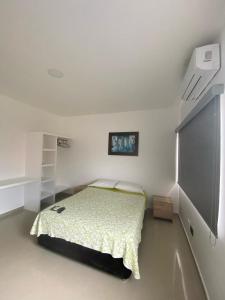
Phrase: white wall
(209, 257)
(16, 119)
(154, 167)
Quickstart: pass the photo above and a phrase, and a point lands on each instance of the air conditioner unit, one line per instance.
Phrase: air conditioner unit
(204, 64)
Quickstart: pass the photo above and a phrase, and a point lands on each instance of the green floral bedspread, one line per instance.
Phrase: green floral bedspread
(104, 220)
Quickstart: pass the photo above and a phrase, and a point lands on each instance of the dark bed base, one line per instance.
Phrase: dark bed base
(101, 261)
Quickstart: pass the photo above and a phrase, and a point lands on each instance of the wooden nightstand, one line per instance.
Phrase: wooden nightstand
(162, 208)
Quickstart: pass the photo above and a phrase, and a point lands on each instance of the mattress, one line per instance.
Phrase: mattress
(104, 220)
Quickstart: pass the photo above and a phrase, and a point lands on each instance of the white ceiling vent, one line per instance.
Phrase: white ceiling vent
(204, 64)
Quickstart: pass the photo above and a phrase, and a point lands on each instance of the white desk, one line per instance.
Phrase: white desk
(9, 183)
(12, 192)
(25, 192)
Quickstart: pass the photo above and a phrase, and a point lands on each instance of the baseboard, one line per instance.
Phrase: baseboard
(11, 212)
(195, 259)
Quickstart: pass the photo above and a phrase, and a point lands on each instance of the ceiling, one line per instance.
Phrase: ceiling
(119, 55)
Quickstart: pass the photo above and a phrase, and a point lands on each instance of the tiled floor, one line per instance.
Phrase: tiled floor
(27, 271)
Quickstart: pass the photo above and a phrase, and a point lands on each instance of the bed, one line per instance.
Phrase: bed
(100, 227)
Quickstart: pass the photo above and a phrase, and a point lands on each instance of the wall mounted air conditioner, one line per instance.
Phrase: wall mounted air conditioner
(204, 64)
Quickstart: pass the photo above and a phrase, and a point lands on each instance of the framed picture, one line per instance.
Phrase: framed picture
(123, 143)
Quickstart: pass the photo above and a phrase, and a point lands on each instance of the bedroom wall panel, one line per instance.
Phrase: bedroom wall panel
(208, 252)
(154, 167)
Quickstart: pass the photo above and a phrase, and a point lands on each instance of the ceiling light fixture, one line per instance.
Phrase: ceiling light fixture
(55, 73)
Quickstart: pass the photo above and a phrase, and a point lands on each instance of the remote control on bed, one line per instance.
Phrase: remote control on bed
(61, 209)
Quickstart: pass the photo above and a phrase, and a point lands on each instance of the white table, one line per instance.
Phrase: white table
(12, 193)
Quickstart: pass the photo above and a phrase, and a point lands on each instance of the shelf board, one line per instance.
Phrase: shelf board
(45, 194)
(49, 150)
(48, 165)
(47, 179)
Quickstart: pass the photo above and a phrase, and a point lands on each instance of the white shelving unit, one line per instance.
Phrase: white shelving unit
(44, 165)
(41, 163)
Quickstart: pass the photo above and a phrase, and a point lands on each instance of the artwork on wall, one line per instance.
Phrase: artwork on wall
(123, 143)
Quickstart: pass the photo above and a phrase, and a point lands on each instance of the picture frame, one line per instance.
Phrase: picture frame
(123, 143)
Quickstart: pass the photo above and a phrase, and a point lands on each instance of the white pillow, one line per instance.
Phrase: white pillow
(129, 187)
(104, 183)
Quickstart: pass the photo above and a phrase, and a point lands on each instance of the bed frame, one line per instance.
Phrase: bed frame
(96, 259)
